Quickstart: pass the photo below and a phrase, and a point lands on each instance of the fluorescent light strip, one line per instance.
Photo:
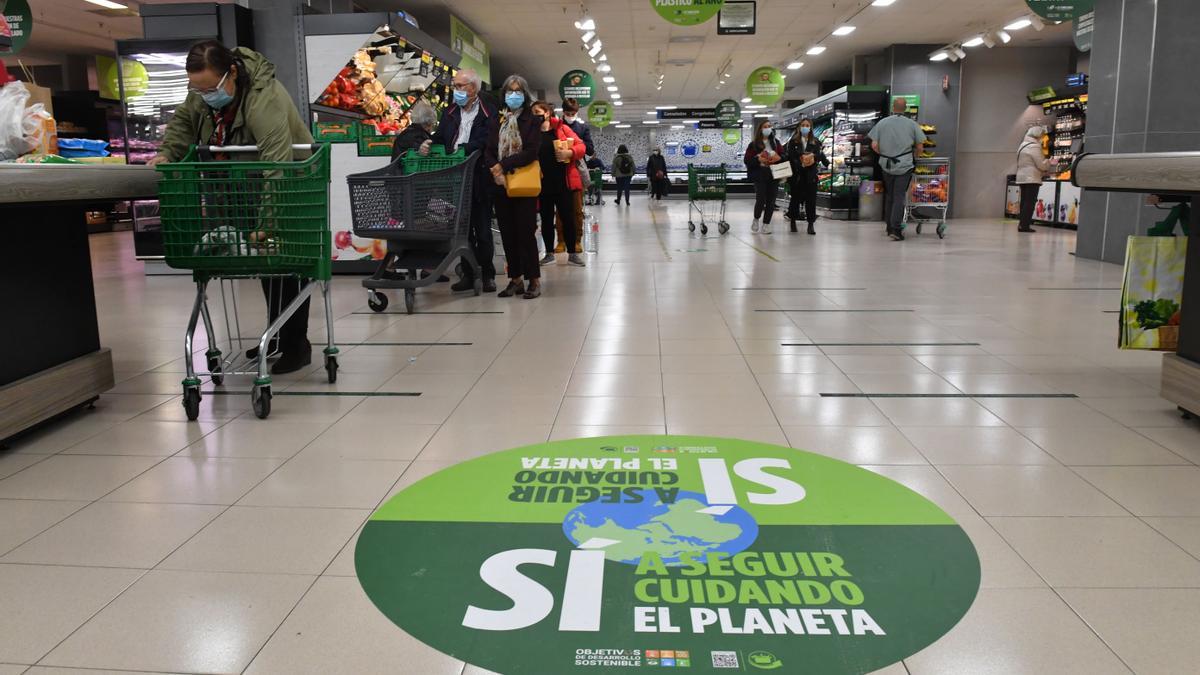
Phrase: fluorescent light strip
(842, 31)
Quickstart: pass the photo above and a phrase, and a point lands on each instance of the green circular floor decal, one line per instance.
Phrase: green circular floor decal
(602, 555)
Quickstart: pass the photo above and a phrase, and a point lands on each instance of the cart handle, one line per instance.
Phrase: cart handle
(312, 147)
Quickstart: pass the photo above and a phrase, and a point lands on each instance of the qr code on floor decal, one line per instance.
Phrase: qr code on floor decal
(725, 660)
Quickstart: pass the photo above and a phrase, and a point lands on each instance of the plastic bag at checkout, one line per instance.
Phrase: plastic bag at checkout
(13, 98)
(1152, 293)
(591, 233)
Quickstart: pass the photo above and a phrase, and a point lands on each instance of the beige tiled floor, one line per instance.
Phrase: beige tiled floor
(131, 540)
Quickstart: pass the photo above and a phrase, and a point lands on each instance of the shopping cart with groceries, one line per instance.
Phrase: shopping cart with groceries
(707, 187)
(233, 220)
(928, 196)
(420, 205)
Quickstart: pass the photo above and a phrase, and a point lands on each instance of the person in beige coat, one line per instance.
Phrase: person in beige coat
(1032, 166)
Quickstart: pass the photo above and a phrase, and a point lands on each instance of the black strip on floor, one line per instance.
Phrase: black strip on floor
(835, 310)
(755, 288)
(841, 395)
(385, 312)
(878, 344)
(399, 344)
(1110, 311)
(1073, 289)
(226, 392)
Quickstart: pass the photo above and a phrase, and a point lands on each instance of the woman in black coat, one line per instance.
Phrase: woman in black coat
(514, 143)
(802, 149)
(761, 153)
(656, 173)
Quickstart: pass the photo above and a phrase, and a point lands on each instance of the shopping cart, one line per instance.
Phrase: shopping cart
(706, 195)
(229, 220)
(422, 206)
(930, 192)
(595, 192)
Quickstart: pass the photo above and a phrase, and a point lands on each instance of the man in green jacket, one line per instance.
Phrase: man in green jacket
(234, 99)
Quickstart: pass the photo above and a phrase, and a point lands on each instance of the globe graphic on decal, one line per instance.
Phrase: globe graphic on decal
(689, 524)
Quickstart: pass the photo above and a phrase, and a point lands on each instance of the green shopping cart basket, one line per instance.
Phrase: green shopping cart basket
(706, 196)
(229, 218)
(414, 162)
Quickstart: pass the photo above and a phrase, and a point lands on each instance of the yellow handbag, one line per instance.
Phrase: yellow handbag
(524, 181)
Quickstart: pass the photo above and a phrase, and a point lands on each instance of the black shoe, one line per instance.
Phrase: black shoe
(896, 235)
(811, 229)
(291, 361)
(489, 285)
(512, 289)
(272, 347)
(1026, 229)
(463, 285)
(535, 290)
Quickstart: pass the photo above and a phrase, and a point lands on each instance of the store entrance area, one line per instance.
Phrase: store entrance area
(978, 370)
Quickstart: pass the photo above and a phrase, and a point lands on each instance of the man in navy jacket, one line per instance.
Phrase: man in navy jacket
(466, 124)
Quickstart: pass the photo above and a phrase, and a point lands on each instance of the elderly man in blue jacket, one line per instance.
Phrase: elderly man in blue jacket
(466, 125)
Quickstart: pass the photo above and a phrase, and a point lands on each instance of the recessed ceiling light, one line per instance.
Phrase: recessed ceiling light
(814, 50)
(618, 103)
(602, 57)
(795, 65)
(690, 121)
(615, 96)
(658, 88)
(665, 107)
(623, 126)
(746, 99)
(604, 68)
(613, 87)
(1004, 36)
(587, 37)
(1019, 24)
(596, 46)
(842, 31)
(586, 23)
(973, 42)
(649, 121)
(883, 3)
(108, 5)
(940, 56)
(676, 126)
(609, 78)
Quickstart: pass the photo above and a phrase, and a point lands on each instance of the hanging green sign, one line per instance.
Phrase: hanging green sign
(472, 49)
(728, 113)
(600, 113)
(912, 103)
(1082, 29)
(137, 80)
(731, 136)
(602, 555)
(20, 25)
(765, 85)
(1060, 10)
(579, 85)
(687, 12)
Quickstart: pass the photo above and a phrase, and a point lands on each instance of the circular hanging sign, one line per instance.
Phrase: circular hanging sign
(20, 24)
(687, 12)
(728, 113)
(579, 85)
(1060, 10)
(765, 85)
(599, 555)
(731, 136)
(137, 79)
(600, 113)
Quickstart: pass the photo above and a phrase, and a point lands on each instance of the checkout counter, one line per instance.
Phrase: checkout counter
(51, 359)
(1162, 173)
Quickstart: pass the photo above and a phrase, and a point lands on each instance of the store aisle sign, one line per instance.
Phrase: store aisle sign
(137, 80)
(20, 24)
(471, 47)
(687, 12)
(1083, 28)
(728, 113)
(603, 555)
(579, 85)
(765, 85)
(912, 103)
(600, 114)
(1060, 10)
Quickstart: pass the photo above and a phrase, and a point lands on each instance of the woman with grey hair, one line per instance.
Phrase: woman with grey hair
(421, 120)
(512, 144)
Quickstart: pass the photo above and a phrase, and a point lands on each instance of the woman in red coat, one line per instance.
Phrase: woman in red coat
(560, 181)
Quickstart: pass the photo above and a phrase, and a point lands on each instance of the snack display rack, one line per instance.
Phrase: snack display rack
(1058, 198)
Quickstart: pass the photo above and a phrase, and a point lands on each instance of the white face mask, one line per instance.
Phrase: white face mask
(570, 118)
(768, 132)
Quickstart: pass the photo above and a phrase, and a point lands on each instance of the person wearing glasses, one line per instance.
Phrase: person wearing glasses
(234, 99)
(466, 125)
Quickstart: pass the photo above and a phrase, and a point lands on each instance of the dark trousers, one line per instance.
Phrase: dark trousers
(659, 187)
(1029, 192)
(804, 191)
(623, 183)
(564, 203)
(279, 293)
(518, 231)
(482, 242)
(895, 187)
(765, 192)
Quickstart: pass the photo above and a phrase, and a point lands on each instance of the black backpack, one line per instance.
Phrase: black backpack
(625, 164)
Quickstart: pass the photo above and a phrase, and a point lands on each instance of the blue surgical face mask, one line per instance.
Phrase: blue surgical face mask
(460, 98)
(514, 100)
(804, 131)
(217, 99)
(768, 132)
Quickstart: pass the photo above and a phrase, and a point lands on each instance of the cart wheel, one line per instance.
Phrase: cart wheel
(703, 228)
(331, 367)
(260, 400)
(941, 230)
(377, 301)
(918, 228)
(691, 226)
(410, 299)
(214, 368)
(191, 402)
(722, 227)
(459, 270)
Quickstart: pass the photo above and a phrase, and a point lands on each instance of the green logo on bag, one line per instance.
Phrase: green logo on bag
(570, 557)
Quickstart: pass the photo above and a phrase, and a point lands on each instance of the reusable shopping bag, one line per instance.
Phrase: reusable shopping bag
(1152, 292)
(524, 181)
(781, 170)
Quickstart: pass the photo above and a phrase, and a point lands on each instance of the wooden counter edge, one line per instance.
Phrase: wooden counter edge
(43, 395)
